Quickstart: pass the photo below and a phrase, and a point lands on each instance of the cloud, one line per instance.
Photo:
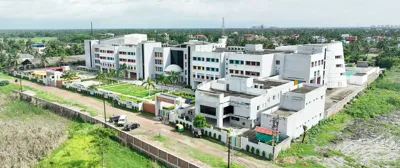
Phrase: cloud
(236, 12)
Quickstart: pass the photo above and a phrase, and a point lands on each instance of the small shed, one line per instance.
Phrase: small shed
(265, 134)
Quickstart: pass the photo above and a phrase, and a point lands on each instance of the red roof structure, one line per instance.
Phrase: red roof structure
(265, 130)
(249, 35)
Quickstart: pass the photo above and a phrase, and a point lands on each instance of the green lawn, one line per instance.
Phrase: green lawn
(36, 39)
(80, 151)
(130, 89)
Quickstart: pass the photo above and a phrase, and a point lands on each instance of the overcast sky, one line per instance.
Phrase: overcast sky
(66, 14)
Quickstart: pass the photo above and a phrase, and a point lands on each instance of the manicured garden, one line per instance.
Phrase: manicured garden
(130, 90)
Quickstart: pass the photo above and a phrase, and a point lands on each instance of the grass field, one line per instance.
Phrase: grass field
(130, 89)
(31, 134)
(36, 39)
(80, 151)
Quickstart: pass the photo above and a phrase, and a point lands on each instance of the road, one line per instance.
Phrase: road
(150, 127)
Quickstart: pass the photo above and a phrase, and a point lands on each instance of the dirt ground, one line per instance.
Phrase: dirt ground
(373, 143)
(150, 127)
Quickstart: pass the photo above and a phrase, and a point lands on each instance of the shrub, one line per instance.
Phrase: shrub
(219, 137)
(200, 121)
(215, 136)
(4, 83)
(257, 152)
(270, 156)
(247, 148)
(252, 149)
(263, 154)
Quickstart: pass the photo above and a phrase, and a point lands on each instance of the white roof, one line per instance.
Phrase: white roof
(173, 68)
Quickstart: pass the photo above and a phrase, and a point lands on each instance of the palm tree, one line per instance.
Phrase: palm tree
(12, 61)
(123, 70)
(174, 77)
(43, 60)
(163, 80)
(69, 75)
(62, 59)
(149, 84)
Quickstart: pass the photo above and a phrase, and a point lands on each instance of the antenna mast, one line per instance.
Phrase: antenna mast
(223, 26)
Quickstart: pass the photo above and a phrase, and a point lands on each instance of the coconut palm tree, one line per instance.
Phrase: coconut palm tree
(123, 70)
(174, 78)
(43, 60)
(62, 59)
(149, 84)
(12, 61)
(163, 80)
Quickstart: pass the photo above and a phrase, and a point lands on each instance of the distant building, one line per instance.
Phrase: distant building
(351, 38)
(39, 47)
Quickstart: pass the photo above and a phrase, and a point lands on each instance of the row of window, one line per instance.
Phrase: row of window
(317, 63)
(158, 62)
(159, 69)
(239, 72)
(252, 63)
(107, 51)
(236, 62)
(204, 77)
(107, 64)
(315, 73)
(198, 59)
(252, 73)
(158, 54)
(107, 58)
(212, 60)
(212, 69)
(126, 53)
(198, 68)
(127, 60)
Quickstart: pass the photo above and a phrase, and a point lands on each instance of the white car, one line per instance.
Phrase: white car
(121, 121)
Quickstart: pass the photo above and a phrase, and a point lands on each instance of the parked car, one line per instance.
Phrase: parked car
(121, 121)
(131, 126)
(196, 132)
(113, 119)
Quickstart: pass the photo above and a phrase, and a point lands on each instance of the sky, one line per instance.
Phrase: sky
(77, 14)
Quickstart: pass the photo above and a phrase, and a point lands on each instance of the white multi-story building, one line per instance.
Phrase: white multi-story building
(302, 106)
(238, 100)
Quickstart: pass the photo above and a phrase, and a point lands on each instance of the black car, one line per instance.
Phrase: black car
(113, 119)
(131, 126)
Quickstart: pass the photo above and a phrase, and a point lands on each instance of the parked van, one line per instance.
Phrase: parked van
(121, 121)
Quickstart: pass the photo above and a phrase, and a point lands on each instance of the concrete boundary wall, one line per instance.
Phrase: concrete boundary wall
(153, 152)
(339, 105)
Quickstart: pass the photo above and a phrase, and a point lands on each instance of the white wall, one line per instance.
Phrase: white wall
(89, 52)
(134, 39)
(335, 76)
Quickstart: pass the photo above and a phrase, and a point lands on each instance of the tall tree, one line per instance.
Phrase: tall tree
(43, 60)
(123, 70)
(149, 84)
(174, 77)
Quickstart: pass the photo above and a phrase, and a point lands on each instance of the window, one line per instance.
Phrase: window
(312, 64)
(231, 71)
(273, 97)
(207, 69)
(341, 74)
(185, 56)
(235, 118)
(185, 72)
(231, 61)
(337, 57)
(217, 60)
(338, 65)
(258, 107)
(319, 62)
(208, 59)
(248, 63)
(185, 64)
(194, 58)
(315, 73)
(255, 86)
(242, 62)
(277, 62)
(322, 62)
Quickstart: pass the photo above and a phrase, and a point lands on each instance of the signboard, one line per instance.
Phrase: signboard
(165, 100)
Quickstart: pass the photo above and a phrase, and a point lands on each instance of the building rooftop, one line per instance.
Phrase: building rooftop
(283, 112)
(239, 76)
(233, 93)
(264, 130)
(304, 89)
(263, 52)
(269, 83)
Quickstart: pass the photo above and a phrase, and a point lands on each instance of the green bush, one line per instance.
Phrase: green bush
(252, 149)
(4, 83)
(247, 148)
(263, 154)
(270, 156)
(215, 136)
(257, 152)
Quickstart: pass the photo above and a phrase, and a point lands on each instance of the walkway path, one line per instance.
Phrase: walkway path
(150, 128)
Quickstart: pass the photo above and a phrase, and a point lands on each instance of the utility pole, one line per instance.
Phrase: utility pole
(105, 122)
(275, 130)
(229, 151)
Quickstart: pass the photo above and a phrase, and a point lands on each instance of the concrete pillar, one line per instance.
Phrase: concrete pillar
(220, 113)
